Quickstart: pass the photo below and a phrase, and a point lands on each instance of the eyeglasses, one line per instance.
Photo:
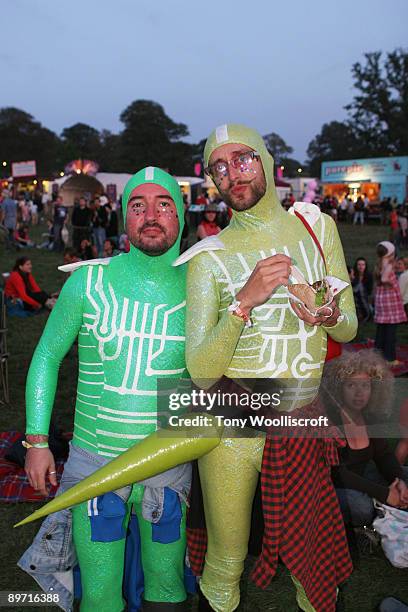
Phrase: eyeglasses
(241, 161)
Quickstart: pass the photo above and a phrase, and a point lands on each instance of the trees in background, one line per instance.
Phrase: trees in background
(22, 139)
(379, 112)
(149, 137)
(377, 123)
(280, 152)
(80, 141)
(337, 140)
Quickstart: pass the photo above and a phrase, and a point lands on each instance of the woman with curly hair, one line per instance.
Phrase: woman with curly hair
(357, 392)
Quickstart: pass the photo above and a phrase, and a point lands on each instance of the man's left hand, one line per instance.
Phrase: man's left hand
(327, 316)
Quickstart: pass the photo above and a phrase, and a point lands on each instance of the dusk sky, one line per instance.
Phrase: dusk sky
(280, 67)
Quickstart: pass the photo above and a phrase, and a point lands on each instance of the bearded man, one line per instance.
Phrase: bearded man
(128, 315)
(242, 324)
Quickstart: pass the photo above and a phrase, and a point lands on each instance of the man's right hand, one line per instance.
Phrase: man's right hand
(394, 498)
(39, 465)
(268, 274)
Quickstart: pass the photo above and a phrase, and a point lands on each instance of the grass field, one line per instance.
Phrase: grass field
(373, 579)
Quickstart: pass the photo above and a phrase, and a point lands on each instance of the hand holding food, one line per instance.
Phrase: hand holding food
(314, 303)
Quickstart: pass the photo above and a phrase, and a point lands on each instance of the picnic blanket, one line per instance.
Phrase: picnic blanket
(14, 485)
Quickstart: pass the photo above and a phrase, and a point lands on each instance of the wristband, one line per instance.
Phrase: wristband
(36, 438)
(237, 311)
(36, 445)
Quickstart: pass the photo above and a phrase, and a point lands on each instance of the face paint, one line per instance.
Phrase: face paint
(151, 221)
(238, 176)
(162, 208)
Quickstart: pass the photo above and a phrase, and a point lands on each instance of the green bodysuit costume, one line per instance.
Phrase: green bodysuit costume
(128, 315)
(278, 345)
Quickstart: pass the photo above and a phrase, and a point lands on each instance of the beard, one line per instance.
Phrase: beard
(240, 202)
(152, 245)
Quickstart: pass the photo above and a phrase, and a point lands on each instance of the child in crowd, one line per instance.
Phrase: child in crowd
(389, 308)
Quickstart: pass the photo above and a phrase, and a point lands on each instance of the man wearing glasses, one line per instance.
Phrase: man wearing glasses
(241, 325)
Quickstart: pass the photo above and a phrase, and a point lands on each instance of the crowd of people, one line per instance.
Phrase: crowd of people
(358, 211)
(91, 226)
(92, 220)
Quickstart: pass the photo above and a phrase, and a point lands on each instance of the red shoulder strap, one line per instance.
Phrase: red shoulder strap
(313, 235)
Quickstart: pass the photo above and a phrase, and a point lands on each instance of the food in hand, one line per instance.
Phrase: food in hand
(322, 295)
(313, 296)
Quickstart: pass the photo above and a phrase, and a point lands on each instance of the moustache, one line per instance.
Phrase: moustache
(151, 225)
(240, 182)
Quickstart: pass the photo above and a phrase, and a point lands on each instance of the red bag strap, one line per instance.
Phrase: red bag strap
(313, 235)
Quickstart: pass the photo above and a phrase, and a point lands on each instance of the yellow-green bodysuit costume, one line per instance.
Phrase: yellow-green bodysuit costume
(278, 345)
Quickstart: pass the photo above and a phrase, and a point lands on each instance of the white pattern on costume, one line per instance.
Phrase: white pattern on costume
(120, 326)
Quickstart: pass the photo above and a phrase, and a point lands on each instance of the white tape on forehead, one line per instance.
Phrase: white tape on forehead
(221, 133)
(149, 173)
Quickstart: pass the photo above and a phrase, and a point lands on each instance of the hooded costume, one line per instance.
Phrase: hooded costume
(277, 345)
(128, 315)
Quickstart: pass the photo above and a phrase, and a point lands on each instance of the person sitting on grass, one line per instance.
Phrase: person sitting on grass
(109, 248)
(21, 238)
(71, 256)
(23, 295)
(87, 250)
(49, 238)
(357, 392)
(401, 450)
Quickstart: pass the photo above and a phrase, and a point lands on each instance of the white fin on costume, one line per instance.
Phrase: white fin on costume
(212, 243)
(105, 261)
(309, 211)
